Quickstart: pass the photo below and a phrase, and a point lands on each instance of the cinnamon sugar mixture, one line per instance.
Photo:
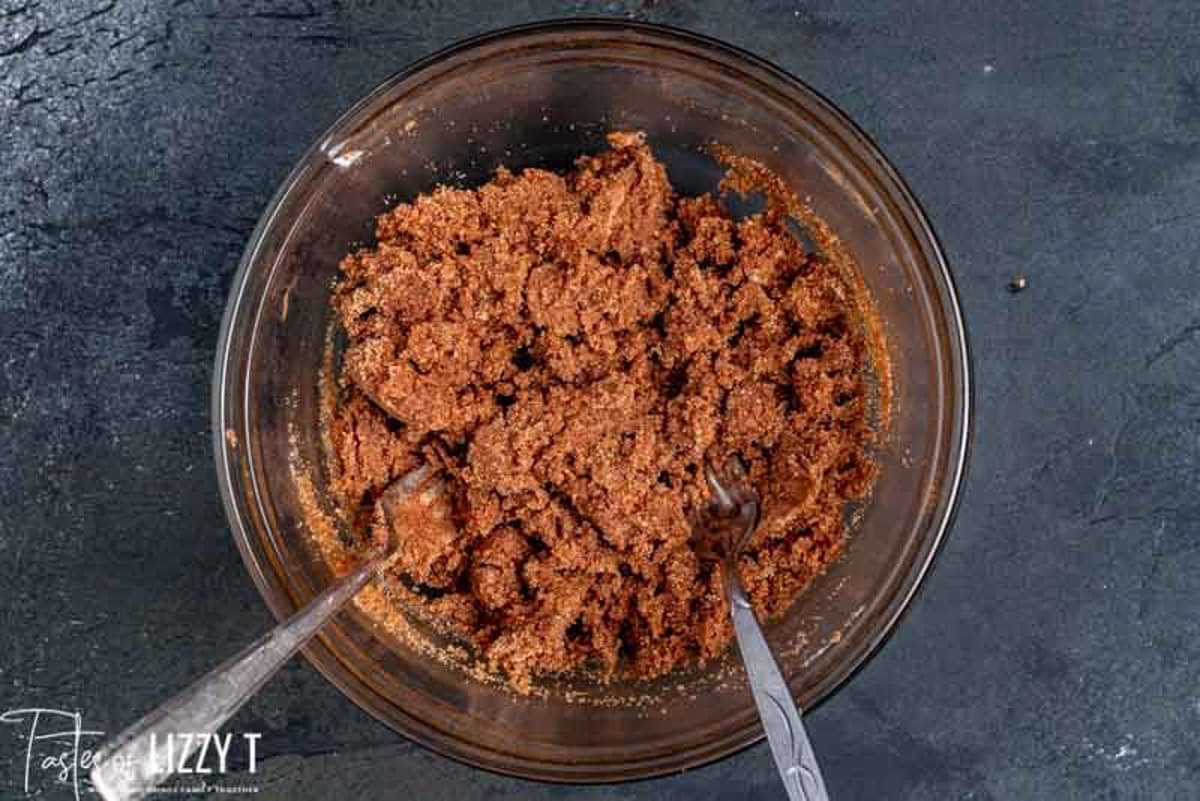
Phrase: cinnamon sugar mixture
(572, 348)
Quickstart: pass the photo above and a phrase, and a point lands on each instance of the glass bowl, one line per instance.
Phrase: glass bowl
(541, 95)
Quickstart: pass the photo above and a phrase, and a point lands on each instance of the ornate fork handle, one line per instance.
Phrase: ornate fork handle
(781, 718)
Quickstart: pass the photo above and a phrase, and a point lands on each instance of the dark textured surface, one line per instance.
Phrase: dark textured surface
(1054, 653)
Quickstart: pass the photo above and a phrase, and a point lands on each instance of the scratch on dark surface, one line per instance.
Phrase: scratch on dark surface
(1148, 578)
(1072, 309)
(288, 16)
(134, 221)
(1155, 513)
(16, 12)
(1162, 222)
(167, 35)
(1172, 342)
(119, 74)
(1114, 466)
(74, 35)
(88, 81)
(271, 16)
(337, 40)
(36, 35)
(147, 44)
(319, 38)
(22, 98)
(99, 11)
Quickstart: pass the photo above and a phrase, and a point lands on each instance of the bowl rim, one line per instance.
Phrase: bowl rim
(912, 214)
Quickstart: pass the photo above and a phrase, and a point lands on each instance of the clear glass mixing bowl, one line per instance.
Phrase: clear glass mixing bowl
(539, 96)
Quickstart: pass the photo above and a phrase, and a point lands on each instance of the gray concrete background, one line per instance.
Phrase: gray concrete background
(1053, 653)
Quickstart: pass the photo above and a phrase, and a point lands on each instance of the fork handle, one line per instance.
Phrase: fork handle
(780, 716)
(129, 766)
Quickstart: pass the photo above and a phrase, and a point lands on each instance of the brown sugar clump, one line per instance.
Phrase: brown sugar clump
(572, 349)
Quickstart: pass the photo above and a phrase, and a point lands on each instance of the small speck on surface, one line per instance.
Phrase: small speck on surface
(1018, 283)
(988, 69)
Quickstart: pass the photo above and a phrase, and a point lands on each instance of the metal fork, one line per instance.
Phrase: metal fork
(731, 518)
(129, 766)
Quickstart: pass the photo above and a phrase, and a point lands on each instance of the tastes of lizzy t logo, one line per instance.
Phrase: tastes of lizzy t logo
(59, 752)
